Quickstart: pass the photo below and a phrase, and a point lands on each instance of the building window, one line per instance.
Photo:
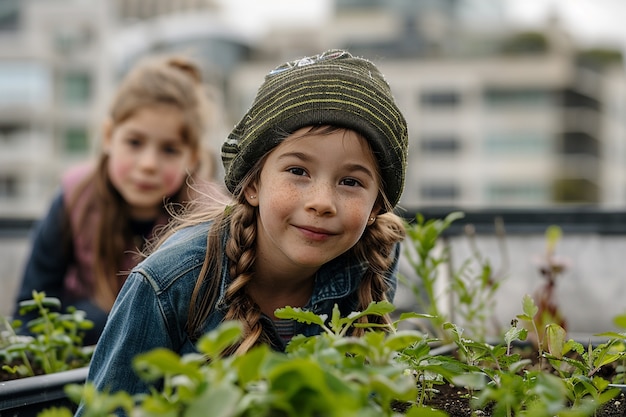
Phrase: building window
(440, 145)
(76, 140)
(518, 97)
(575, 191)
(506, 192)
(579, 143)
(10, 15)
(516, 143)
(9, 132)
(72, 39)
(8, 186)
(76, 88)
(359, 4)
(24, 83)
(571, 98)
(440, 99)
(439, 192)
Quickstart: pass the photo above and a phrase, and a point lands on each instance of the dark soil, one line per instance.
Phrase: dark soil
(455, 402)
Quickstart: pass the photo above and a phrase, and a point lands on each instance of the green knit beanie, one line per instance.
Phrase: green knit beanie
(333, 88)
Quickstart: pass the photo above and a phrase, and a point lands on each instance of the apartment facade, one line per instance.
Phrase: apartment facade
(489, 125)
(54, 72)
(496, 118)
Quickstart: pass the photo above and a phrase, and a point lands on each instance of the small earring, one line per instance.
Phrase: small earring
(253, 197)
(372, 219)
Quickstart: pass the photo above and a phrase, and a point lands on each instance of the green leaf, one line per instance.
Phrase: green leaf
(340, 325)
(402, 389)
(336, 322)
(612, 335)
(620, 321)
(555, 336)
(475, 380)
(158, 362)
(379, 308)
(606, 359)
(413, 315)
(529, 308)
(553, 235)
(55, 412)
(248, 366)
(99, 403)
(216, 341)
(216, 401)
(515, 333)
(519, 365)
(300, 315)
(402, 339)
(353, 345)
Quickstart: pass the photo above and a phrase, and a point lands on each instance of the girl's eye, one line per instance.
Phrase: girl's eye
(133, 142)
(297, 171)
(350, 182)
(172, 150)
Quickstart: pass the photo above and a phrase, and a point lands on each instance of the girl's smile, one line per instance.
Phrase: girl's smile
(316, 193)
(315, 233)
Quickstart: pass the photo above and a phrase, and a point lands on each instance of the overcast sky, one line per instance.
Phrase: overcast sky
(595, 21)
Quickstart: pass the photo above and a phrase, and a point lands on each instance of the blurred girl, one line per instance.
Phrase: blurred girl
(88, 242)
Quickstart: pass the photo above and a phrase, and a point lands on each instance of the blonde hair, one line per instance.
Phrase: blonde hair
(174, 81)
(239, 220)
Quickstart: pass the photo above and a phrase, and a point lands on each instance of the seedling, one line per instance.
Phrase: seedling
(471, 289)
(56, 343)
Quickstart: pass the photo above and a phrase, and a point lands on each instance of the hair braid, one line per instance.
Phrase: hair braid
(240, 250)
(376, 246)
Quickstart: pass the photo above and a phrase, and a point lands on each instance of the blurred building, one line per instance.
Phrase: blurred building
(53, 70)
(497, 117)
(60, 62)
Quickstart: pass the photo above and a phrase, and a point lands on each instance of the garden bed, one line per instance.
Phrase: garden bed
(26, 397)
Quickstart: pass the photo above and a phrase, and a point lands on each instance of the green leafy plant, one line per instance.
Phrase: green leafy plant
(56, 343)
(387, 371)
(333, 374)
(471, 289)
(502, 379)
(383, 373)
(474, 287)
(580, 370)
(548, 310)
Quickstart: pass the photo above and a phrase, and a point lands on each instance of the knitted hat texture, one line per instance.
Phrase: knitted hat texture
(333, 88)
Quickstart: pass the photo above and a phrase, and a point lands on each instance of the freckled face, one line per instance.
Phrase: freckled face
(148, 158)
(315, 196)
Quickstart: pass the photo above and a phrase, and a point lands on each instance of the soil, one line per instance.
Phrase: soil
(455, 402)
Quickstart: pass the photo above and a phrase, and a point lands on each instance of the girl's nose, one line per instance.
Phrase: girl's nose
(321, 199)
(149, 158)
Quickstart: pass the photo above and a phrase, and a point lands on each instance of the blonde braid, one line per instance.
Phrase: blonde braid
(376, 246)
(241, 251)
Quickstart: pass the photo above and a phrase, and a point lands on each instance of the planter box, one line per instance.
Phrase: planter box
(26, 397)
(614, 407)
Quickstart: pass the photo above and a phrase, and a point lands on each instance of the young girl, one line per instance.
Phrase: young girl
(315, 168)
(85, 247)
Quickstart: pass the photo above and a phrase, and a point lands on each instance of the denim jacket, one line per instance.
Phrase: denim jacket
(151, 310)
